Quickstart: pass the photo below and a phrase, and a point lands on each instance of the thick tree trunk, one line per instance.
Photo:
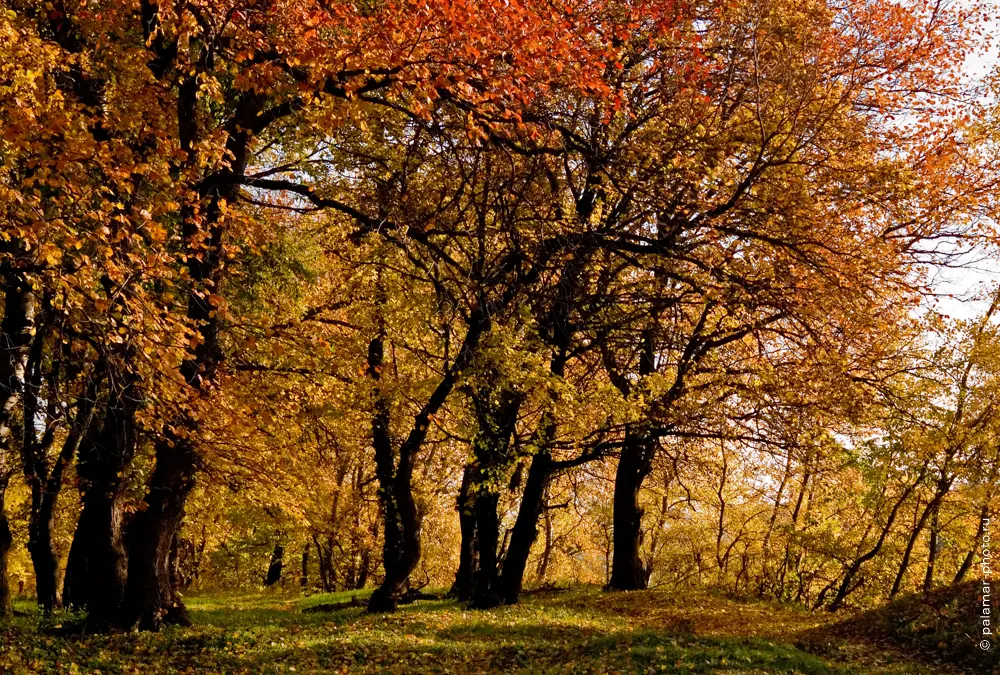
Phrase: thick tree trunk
(401, 548)
(96, 570)
(484, 589)
(462, 586)
(627, 573)
(150, 599)
(496, 407)
(44, 561)
(275, 567)
(525, 527)
(46, 487)
(401, 552)
(634, 464)
(385, 597)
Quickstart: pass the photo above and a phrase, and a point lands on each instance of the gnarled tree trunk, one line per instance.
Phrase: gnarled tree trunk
(97, 568)
(525, 527)
(496, 407)
(461, 588)
(150, 599)
(627, 573)
(402, 521)
(276, 565)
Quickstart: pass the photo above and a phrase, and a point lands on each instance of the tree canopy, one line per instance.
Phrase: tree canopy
(492, 294)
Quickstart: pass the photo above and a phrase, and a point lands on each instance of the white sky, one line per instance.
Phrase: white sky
(960, 291)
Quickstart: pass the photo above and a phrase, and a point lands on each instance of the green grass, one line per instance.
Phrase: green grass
(581, 631)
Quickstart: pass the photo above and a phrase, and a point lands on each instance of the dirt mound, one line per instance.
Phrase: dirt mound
(943, 627)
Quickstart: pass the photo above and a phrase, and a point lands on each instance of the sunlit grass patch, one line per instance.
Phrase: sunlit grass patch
(579, 631)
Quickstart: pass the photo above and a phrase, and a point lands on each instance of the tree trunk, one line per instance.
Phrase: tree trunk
(932, 551)
(634, 465)
(401, 548)
(35, 466)
(150, 599)
(546, 557)
(766, 578)
(911, 541)
(496, 406)
(627, 573)
(46, 487)
(484, 590)
(274, 568)
(44, 562)
(97, 566)
(304, 576)
(525, 528)
(385, 597)
(847, 586)
(462, 587)
(904, 564)
(984, 517)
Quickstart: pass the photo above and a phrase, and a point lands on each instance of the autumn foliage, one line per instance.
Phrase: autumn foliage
(483, 295)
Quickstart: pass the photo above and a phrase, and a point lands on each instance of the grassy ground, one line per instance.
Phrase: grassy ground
(579, 631)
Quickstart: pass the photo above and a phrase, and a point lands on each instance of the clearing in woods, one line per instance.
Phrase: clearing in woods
(575, 631)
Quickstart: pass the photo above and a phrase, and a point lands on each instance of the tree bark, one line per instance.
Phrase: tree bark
(35, 467)
(46, 485)
(304, 576)
(275, 567)
(932, 551)
(401, 547)
(970, 557)
(462, 586)
(904, 564)
(542, 466)
(627, 573)
(484, 589)
(150, 599)
(496, 406)
(96, 570)
(384, 598)
(525, 527)
(847, 586)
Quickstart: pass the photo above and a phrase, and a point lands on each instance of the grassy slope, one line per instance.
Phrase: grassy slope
(581, 631)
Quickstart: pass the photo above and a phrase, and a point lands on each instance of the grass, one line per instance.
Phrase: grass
(579, 631)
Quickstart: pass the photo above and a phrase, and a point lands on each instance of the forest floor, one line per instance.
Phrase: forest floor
(576, 631)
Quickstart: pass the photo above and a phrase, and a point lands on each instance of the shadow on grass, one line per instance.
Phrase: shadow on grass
(261, 635)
